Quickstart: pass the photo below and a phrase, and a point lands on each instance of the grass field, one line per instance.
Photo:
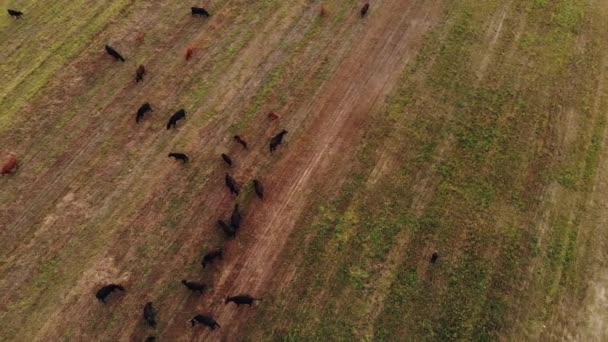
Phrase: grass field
(473, 128)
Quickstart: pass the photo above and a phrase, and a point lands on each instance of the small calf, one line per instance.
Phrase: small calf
(201, 12)
(241, 299)
(364, 10)
(205, 320)
(105, 291)
(227, 159)
(322, 11)
(139, 73)
(180, 114)
(194, 286)
(11, 165)
(258, 188)
(15, 14)
(231, 184)
(110, 50)
(240, 140)
(434, 257)
(274, 115)
(141, 111)
(212, 255)
(228, 229)
(179, 156)
(235, 218)
(277, 140)
(189, 52)
(149, 315)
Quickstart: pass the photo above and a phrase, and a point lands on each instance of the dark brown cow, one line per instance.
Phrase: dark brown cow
(240, 140)
(189, 52)
(139, 74)
(364, 10)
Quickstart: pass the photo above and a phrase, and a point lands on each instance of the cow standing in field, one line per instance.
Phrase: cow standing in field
(140, 37)
(150, 315)
(211, 255)
(189, 52)
(11, 165)
(205, 320)
(241, 141)
(194, 286)
(228, 229)
(364, 10)
(434, 257)
(235, 218)
(180, 114)
(105, 291)
(277, 140)
(241, 299)
(232, 185)
(258, 188)
(139, 73)
(179, 156)
(274, 116)
(114, 53)
(151, 339)
(201, 12)
(141, 111)
(15, 14)
(227, 159)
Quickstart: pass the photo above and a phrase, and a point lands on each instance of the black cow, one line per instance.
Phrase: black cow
(364, 10)
(151, 339)
(149, 315)
(180, 114)
(141, 111)
(235, 218)
(240, 141)
(15, 14)
(277, 140)
(114, 53)
(105, 291)
(139, 73)
(434, 257)
(199, 11)
(179, 156)
(258, 188)
(227, 159)
(205, 320)
(232, 185)
(241, 299)
(194, 286)
(211, 255)
(228, 229)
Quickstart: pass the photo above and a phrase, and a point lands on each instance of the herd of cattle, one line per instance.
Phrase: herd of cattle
(229, 228)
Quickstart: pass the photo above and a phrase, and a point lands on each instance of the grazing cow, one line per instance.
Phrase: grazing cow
(142, 110)
(179, 156)
(189, 52)
(212, 255)
(151, 339)
(114, 53)
(150, 314)
(241, 299)
(11, 165)
(274, 116)
(139, 73)
(180, 114)
(227, 159)
(364, 10)
(232, 185)
(235, 218)
(201, 12)
(105, 291)
(258, 188)
(277, 140)
(228, 229)
(240, 140)
(434, 257)
(140, 37)
(205, 320)
(322, 11)
(15, 14)
(194, 286)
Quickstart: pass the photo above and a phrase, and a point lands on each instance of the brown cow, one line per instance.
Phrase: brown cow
(322, 11)
(140, 37)
(274, 115)
(139, 74)
(11, 165)
(364, 10)
(189, 52)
